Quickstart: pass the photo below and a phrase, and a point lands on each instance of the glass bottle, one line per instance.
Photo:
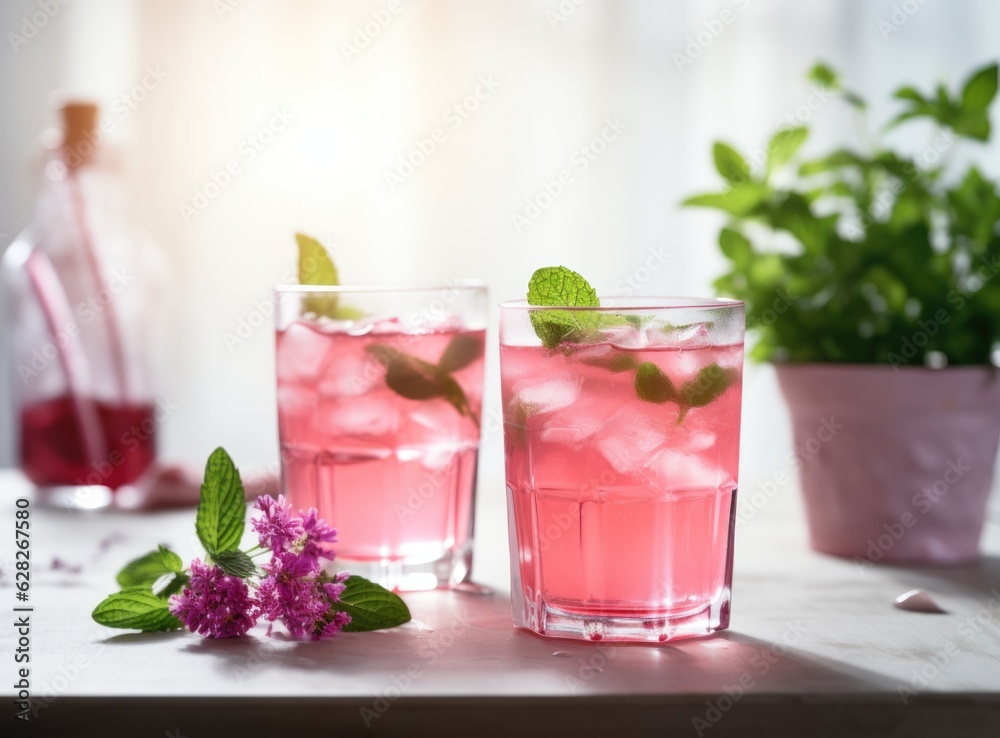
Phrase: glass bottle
(81, 319)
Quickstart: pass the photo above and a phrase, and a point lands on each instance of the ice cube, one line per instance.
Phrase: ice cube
(300, 354)
(547, 395)
(438, 457)
(293, 400)
(626, 337)
(629, 439)
(434, 421)
(573, 424)
(677, 470)
(693, 442)
(368, 415)
(348, 375)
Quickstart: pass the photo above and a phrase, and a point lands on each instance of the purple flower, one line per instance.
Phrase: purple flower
(315, 532)
(215, 604)
(295, 593)
(278, 528)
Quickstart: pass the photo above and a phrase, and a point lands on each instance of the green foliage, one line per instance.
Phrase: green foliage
(894, 256)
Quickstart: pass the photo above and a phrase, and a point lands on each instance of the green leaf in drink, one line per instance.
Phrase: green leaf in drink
(136, 608)
(371, 606)
(652, 385)
(710, 382)
(461, 351)
(415, 379)
(222, 505)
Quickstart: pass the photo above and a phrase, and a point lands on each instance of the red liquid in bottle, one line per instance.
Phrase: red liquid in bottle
(53, 453)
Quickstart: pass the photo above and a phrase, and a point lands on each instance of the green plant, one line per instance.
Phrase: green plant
(892, 257)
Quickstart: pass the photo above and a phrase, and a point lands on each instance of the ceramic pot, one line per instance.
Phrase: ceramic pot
(895, 464)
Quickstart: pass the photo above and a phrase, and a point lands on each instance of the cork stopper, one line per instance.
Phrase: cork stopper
(79, 123)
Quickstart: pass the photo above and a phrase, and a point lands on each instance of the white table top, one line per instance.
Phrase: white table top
(814, 645)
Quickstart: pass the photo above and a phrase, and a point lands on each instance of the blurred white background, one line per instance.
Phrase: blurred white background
(549, 74)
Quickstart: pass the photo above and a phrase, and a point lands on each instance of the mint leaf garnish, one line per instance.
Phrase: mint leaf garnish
(235, 563)
(146, 569)
(416, 379)
(371, 606)
(222, 506)
(652, 385)
(136, 608)
(317, 268)
(710, 382)
(559, 286)
(315, 264)
(461, 351)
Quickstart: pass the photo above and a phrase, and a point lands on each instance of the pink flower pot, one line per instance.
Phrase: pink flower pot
(895, 464)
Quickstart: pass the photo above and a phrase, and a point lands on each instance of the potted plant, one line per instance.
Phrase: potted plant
(871, 278)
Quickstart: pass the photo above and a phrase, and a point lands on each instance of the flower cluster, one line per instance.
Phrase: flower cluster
(294, 589)
(214, 603)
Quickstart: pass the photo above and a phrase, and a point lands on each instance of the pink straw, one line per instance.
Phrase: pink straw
(56, 309)
(114, 331)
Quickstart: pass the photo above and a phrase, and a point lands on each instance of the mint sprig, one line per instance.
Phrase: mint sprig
(559, 286)
(317, 268)
(148, 582)
(415, 379)
(371, 606)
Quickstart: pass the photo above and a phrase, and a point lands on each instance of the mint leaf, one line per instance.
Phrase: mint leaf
(315, 265)
(416, 379)
(783, 146)
(652, 385)
(317, 268)
(730, 164)
(136, 608)
(824, 76)
(222, 506)
(235, 563)
(559, 286)
(980, 90)
(710, 382)
(148, 568)
(371, 606)
(461, 351)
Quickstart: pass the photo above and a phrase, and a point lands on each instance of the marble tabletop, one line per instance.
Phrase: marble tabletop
(815, 648)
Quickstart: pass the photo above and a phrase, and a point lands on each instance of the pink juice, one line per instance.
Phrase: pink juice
(622, 507)
(394, 474)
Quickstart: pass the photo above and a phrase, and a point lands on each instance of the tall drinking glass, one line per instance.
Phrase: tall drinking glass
(622, 455)
(378, 418)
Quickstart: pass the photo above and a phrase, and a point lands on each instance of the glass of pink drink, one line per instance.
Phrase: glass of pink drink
(622, 454)
(378, 418)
